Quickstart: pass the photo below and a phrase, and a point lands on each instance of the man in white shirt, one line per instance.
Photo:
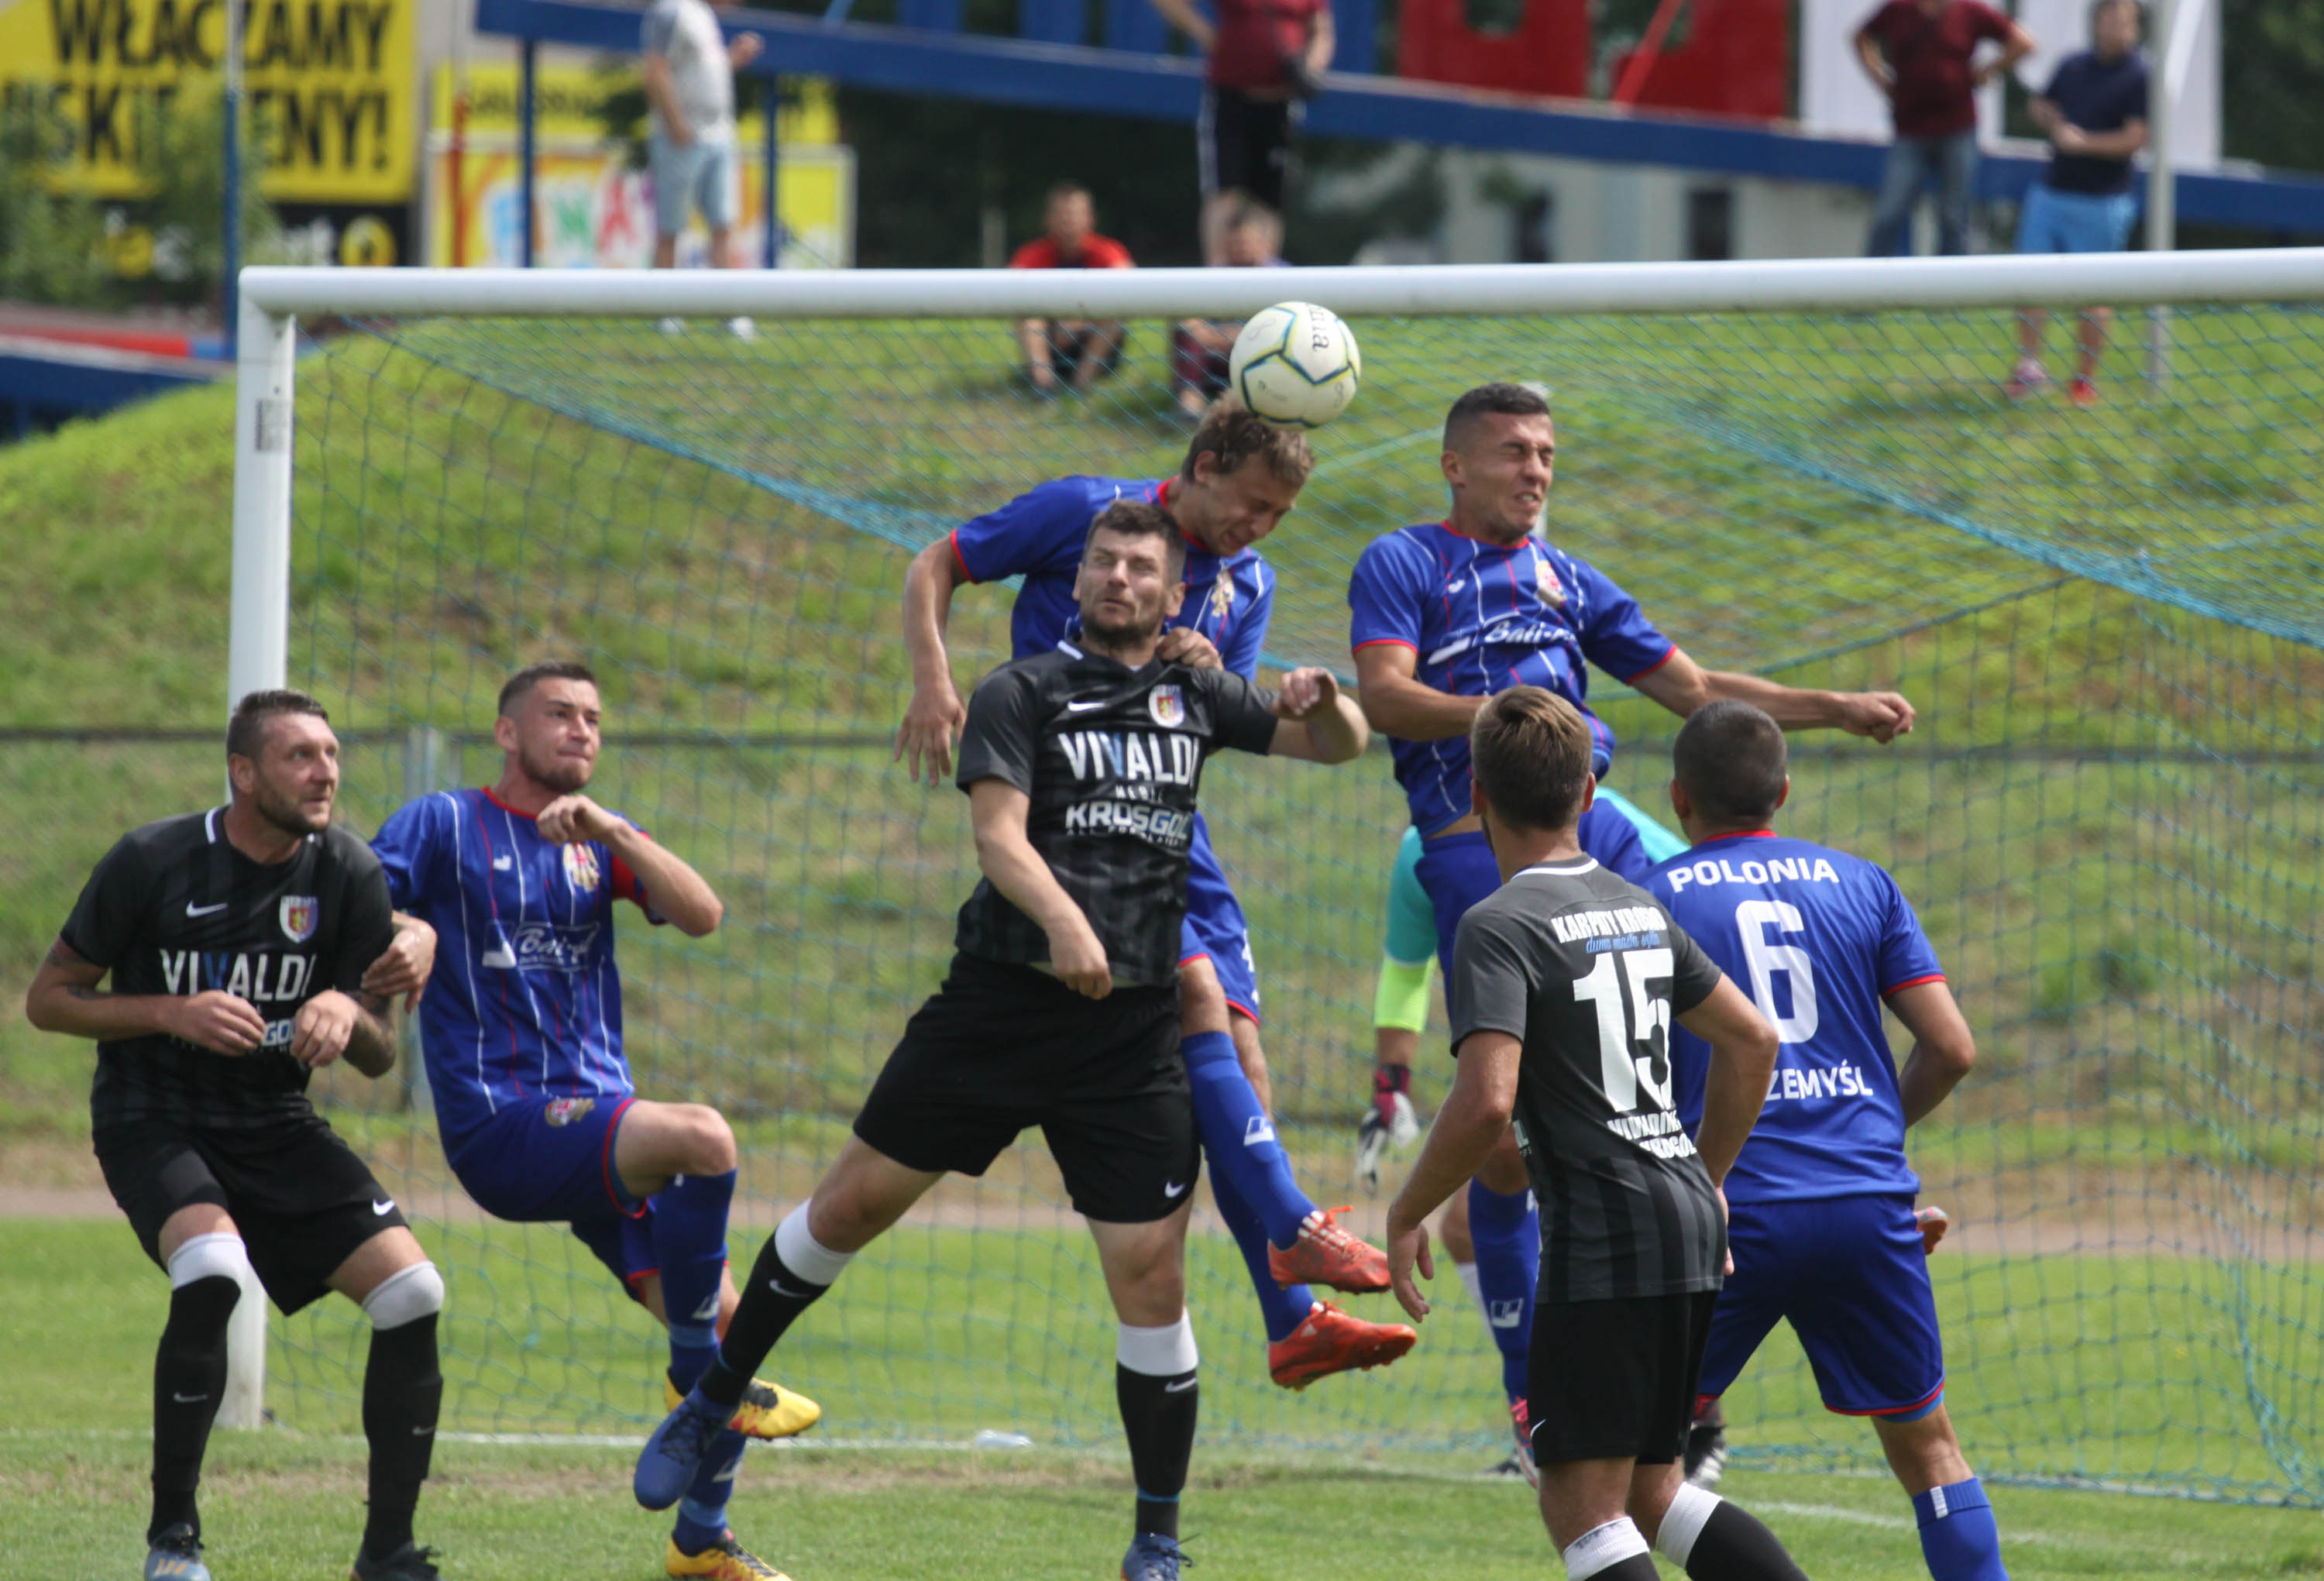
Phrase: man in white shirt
(689, 76)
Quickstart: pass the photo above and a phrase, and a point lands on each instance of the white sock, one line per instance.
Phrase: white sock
(1602, 1547)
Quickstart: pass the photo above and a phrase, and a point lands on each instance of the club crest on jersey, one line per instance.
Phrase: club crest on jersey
(564, 1111)
(1545, 582)
(1222, 598)
(299, 914)
(581, 867)
(1167, 705)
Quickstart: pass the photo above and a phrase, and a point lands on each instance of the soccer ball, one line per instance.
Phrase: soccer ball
(1296, 365)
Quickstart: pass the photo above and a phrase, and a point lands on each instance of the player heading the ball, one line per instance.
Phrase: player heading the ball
(1060, 1008)
(1564, 985)
(249, 946)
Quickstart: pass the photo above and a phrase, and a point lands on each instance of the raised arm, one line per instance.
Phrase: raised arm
(997, 809)
(933, 718)
(1399, 704)
(1315, 721)
(64, 997)
(679, 895)
(1743, 1048)
(1943, 1051)
(1681, 686)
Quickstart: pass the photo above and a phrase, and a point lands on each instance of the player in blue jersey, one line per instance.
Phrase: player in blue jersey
(1240, 478)
(1822, 1222)
(522, 1030)
(1448, 613)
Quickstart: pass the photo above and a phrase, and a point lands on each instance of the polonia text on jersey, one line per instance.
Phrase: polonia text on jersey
(1783, 870)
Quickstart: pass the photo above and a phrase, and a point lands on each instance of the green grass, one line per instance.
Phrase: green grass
(2109, 818)
(281, 1502)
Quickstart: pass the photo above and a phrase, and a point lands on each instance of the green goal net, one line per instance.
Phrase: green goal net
(2110, 819)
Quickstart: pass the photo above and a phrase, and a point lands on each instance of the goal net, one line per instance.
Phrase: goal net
(2109, 817)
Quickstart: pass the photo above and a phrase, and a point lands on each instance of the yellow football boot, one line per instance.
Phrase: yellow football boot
(767, 1410)
(723, 1560)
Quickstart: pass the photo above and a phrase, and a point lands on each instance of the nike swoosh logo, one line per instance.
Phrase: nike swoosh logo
(1173, 1190)
(188, 1399)
(1083, 707)
(1180, 1387)
(779, 1288)
(383, 1209)
(193, 910)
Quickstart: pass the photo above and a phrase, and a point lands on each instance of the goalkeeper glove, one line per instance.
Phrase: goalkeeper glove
(1391, 1119)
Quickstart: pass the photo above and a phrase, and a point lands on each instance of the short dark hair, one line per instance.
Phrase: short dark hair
(549, 669)
(1137, 519)
(1730, 757)
(245, 732)
(1509, 400)
(1231, 432)
(2138, 9)
(1530, 750)
(1064, 189)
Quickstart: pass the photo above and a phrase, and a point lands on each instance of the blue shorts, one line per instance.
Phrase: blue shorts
(708, 176)
(1850, 1275)
(2075, 222)
(1458, 870)
(550, 1161)
(1215, 929)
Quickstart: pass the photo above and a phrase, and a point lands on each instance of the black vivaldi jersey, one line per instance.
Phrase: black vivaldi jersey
(1109, 758)
(174, 908)
(1586, 971)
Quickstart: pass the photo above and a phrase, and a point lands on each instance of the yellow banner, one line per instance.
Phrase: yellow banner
(568, 102)
(330, 86)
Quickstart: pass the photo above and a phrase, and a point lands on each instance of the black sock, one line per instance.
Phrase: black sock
(1158, 1415)
(1637, 1567)
(188, 1381)
(773, 1300)
(403, 1391)
(1734, 1545)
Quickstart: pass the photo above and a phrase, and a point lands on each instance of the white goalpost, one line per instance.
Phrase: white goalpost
(2109, 618)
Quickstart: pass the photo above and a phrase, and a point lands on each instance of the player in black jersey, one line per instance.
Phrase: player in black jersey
(1061, 1007)
(238, 941)
(1563, 986)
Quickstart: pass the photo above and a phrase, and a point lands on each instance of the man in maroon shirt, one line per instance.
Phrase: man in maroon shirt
(1918, 54)
(1074, 353)
(1262, 57)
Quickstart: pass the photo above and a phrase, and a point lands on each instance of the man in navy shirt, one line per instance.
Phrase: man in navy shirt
(1819, 1200)
(1447, 614)
(2095, 113)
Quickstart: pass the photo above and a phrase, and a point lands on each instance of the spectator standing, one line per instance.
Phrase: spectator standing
(1075, 353)
(2094, 112)
(1200, 348)
(1261, 58)
(1919, 53)
(690, 76)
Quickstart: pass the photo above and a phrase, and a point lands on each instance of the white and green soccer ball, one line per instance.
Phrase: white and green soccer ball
(1296, 365)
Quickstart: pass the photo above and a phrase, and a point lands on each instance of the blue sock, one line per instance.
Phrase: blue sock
(1240, 1138)
(1958, 1535)
(689, 1233)
(1281, 1310)
(702, 1514)
(1507, 1235)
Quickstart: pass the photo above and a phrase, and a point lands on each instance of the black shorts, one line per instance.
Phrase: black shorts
(301, 1198)
(1614, 1379)
(1003, 1047)
(1244, 145)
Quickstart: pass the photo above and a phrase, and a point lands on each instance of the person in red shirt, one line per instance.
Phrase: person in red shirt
(1070, 352)
(1918, 52)
(1261, 58)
